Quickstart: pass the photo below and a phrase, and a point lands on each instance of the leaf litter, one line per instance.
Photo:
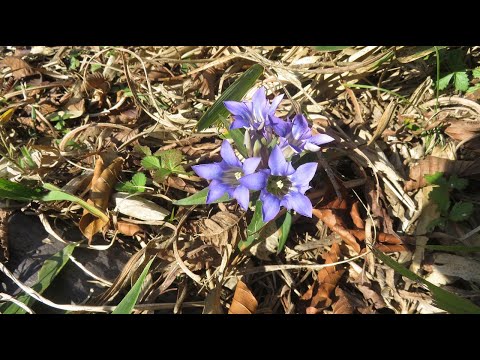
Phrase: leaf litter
(123, 137)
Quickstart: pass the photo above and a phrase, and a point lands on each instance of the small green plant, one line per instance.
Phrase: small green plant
(164, 163)
(476, 75)
(454, 61)
(441, 195)
(137, 184)
(59, 118)
(74, 61)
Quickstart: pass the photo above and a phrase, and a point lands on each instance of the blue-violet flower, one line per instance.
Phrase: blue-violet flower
(282, 185)
(225, 176)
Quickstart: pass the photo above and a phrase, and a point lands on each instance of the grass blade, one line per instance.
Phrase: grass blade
(50, 269)
(253, 228)
(129, 301)
(235, 92)
(443, 299)
(285, 230)
(199, 198)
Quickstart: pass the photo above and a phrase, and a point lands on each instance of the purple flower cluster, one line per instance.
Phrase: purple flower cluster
(270, 142)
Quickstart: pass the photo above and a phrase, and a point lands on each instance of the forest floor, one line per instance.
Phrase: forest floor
(97, 146)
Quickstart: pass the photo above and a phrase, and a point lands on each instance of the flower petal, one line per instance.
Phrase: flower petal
(298, 202)
(208, 171)
(270, 206)
(250, 165)
(320, 139)
(259, 98)
(228, 155)
(300, 126)
(256, 181)
(281, 127)
(276, 162)
(242, 195)
(216, 191)
(304, 174)
(236, 107)
(275, 102)
(239, 123)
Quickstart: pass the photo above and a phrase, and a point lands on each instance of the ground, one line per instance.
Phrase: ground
(97, 146)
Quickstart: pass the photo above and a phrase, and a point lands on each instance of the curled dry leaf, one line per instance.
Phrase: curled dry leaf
(317, 298)
(462, 129)
(19, 67)
(336, 224)
(348, 303)
(432, 164)
(103, 181)
(128, 229)
(221, 229)
(139, 208)
(243, 300)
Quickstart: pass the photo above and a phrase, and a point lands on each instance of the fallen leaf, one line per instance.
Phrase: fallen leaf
(372, 295)
(431, 165)
(317, 298)
(336, 224)
(138, 207)
(212, 303)
(219, 230)
(243, 300)
(178, 183)
(97, 81)
(462, 129)
(19, 67)
(129, 229)
(447, 265)
(103, 182)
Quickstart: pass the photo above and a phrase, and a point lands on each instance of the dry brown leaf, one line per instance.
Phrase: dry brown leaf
(4, 215)
(19, 67)
(243, 300)
(103, 181)
(373, 296)
(336, 224)
(221, 229)
(129, 229)
(462, 129)
(355, 215)
(317, 298)
(348, 303)
(431, 165)
(97, 81)
(75, 107)
(213, 304)
(180, 184)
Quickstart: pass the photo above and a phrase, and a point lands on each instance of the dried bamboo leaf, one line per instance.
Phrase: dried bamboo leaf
(103, 182)
(243, 300)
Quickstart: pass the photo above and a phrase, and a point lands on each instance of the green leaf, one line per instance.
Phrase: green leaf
(455, 182)
(476, 72)
(440, 222)
(171, 160)
(285, 230)
(161, 174)
(253, 229)
(443, 299)
(444, 81)
(15, 191)
(199, 198)
(57, 194)
(49, 270)
(461, 81)
(459, 248)
(435, 179)
(441, 197)
(330, 48)
(235, 92)
(145, 150)
(461, 211)
(137, 184)
(128, 302)
(473, 88)
(151, 162)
